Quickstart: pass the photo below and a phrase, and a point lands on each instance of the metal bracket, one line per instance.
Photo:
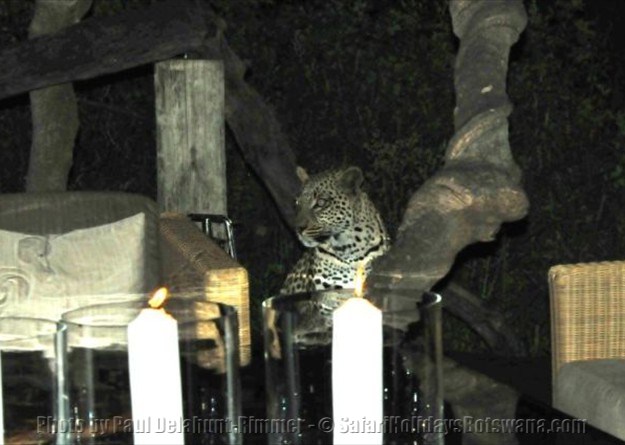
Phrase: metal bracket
(206, 224)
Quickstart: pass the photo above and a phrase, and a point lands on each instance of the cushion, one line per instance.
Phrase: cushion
(593, 390)
(45, 213)
(46, 275)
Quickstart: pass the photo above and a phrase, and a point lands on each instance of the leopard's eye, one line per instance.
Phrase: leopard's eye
(320, 203)
(296, 202)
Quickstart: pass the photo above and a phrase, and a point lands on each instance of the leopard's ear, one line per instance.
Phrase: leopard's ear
(302, 175)
(351, 179)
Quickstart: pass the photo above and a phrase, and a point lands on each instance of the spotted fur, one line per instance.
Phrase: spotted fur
(341, 228)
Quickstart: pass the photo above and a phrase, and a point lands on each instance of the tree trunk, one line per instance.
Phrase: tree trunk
(54, 110)
(477, 190)
(479, 187)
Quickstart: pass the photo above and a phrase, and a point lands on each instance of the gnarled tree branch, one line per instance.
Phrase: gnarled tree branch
(486, 322)
(479, 187)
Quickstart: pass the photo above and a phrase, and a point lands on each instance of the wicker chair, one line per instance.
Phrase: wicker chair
(588, 342)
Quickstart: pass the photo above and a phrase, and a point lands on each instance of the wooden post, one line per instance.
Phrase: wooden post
(191, 161)
(191, 178)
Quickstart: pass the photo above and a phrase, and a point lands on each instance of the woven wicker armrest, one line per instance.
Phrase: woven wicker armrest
(191, 262)
(587, 312)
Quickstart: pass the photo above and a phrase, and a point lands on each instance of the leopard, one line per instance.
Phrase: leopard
(341, 229)
(343, 234)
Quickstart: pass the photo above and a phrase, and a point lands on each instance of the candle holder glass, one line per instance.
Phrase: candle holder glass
(298, 361)
(98, 374)
(31, 392)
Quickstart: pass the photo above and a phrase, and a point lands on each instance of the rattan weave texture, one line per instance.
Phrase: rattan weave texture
(587, 312)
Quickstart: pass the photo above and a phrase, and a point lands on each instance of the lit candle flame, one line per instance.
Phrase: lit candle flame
(359, 280)
(158, 299)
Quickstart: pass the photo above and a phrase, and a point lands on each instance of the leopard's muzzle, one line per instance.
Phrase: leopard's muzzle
(312, 236)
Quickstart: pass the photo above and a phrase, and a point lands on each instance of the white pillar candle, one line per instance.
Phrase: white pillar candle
(155, 383)
(357, 388)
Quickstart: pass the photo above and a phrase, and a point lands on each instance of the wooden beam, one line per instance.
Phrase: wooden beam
(100, 46)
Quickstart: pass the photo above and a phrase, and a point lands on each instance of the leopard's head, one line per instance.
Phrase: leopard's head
(325, 206)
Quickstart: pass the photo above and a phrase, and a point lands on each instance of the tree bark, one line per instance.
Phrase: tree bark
(479, 187)
(54, 110)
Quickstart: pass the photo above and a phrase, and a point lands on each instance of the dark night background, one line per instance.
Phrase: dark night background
(370, 83)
